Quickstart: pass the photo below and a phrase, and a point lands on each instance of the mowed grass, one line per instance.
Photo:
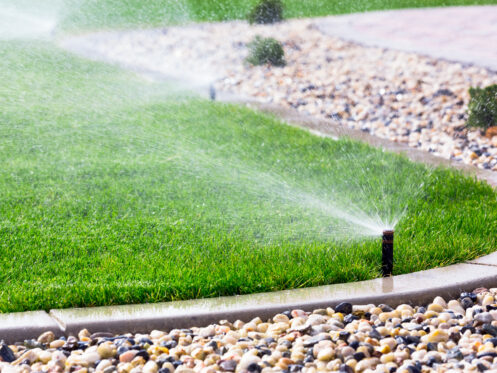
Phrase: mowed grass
(132, 13)
(115, 190)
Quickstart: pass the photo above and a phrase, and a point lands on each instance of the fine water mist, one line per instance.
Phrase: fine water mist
(26, 20)
(290, 203)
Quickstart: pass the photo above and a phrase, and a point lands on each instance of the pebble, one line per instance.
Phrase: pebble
(46, 337)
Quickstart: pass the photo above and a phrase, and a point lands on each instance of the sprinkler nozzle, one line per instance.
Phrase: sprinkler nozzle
(387, 253)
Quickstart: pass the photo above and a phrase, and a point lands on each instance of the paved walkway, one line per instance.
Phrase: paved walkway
(464, 34)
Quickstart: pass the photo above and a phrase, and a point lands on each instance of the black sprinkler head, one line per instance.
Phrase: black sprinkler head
(387, 253)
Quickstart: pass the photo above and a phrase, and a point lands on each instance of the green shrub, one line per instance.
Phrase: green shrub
(266, 11)
(482, 107)
(266, 51)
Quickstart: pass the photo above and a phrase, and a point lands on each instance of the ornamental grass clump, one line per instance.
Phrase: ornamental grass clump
(266, 51)
(482, 107)
(266, 11)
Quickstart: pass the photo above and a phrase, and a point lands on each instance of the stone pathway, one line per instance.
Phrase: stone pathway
(463, 34)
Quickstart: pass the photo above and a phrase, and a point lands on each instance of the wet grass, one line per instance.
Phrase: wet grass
(114, 190)
(132, 13)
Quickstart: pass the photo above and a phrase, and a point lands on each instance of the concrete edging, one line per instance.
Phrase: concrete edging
(415, 288)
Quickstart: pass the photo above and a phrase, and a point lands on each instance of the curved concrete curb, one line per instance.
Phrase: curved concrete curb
(415, 288)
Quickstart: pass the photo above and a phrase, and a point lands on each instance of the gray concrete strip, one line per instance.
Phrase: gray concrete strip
(18, 326)
(419, 287)
(490, 260)
(465, 34)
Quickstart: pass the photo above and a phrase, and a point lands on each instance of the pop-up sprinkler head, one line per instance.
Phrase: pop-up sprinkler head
(387, 253)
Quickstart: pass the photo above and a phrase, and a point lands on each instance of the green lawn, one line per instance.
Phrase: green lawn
(116, 190)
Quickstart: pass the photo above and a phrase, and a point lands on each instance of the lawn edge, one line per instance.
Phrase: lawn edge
(413, 288)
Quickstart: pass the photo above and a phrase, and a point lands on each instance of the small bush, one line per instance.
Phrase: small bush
(482, 107)
(266, 11)
(266, 51)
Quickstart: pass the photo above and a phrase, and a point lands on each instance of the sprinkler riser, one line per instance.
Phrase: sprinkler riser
(387, 253)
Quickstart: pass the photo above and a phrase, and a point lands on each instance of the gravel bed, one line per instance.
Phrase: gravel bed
(455, 335)
(404, 97)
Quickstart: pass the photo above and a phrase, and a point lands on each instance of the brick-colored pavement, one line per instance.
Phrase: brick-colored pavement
(464, 34)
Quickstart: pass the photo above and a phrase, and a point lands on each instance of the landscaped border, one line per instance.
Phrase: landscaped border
(415, 288)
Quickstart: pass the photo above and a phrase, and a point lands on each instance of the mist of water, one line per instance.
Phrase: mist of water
(18, 21)
(324, 212)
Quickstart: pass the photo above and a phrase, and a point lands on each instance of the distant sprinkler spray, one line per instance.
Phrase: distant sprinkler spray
(387, 253)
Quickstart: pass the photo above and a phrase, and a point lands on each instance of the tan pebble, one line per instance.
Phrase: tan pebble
(383, 349)
(198, 353)
(430, 314)
(435, 308)
(298, 322)
(296, 356)
(102, 365)
(330, 311)
(30, 355)
(369, 363)
(84, 334)
(76, 360)
(382, 330)
(262, 327)
(315, 319)
(46, 337)
(455, 306)
(157, 334)
(473, 156)
(351, 363)
(45, 356)
(124, 367)
(418, 355)
(106, 350)
(127, 356)
(57, 344)
(229, 340)
(138, 361)
(320, 311)
(250, 326)
(436, 336)
(281, 318)
(375, 311)
(362, 307)
(238, 324)
(384, 316)
(207, 332)
(390, 342)
(278, 328)
(150, 367)
(298, 313)
(487, 300)
(326, 354)
(347, 351)
(284, 362)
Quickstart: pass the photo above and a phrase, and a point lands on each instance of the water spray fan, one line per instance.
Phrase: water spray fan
(387, 253)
